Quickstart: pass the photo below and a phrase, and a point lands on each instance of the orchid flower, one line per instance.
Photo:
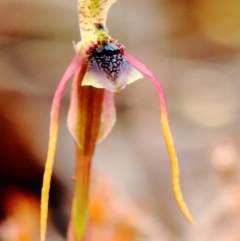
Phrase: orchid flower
(102, 68)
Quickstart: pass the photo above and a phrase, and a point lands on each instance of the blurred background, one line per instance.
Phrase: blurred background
(193, 47)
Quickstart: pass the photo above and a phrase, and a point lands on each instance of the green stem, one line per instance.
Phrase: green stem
(80, 200)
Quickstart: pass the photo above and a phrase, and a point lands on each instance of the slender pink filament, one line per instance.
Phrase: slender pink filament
(167, 135)
(73, 67)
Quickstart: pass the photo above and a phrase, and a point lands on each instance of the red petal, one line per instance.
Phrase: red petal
(167, 135)
(72, 68)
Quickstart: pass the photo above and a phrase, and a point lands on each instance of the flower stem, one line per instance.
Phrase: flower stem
(88, 102)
